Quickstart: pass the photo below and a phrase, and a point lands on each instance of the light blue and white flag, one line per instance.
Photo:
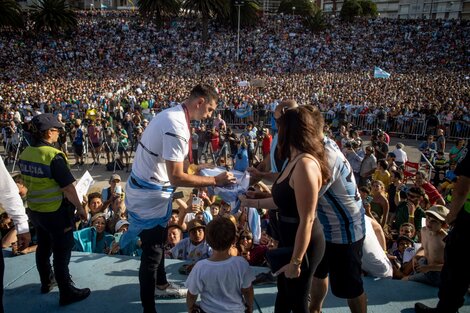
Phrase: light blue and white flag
(243, 112)
(380, 73)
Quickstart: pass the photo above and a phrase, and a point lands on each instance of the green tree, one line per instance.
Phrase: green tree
(159, 9)
(10, 14)
(369, 8)
(249, 13)
(52, 16)
(316, 22)
(208, 9)
(302, 7)
(349, 10)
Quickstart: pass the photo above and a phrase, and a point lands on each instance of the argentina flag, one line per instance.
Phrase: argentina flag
(380, 73)
(243, 112)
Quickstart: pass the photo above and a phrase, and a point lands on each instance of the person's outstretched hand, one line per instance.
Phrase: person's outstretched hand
(225, 178)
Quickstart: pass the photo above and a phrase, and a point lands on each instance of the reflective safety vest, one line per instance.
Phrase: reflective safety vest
(44, 193)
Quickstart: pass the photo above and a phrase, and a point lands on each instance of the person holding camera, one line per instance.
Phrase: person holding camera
(354, 158)
(109, 142)
(381, 147)
(368, 167)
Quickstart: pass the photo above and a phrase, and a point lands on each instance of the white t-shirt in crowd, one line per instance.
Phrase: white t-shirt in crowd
(220, 284)
(374, 261)
(400, 155)
(167, 136)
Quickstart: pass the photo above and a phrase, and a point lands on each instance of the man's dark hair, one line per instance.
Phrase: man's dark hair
(382, 163)
(220, 233)
(416, 190)
(365, 190)
(208, 92)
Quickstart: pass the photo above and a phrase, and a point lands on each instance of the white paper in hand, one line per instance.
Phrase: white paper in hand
(83, 185)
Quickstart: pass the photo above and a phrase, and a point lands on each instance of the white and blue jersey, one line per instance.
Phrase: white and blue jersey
(340, 207)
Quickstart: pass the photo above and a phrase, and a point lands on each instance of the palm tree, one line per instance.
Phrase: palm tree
(249, 13)
(298, 7)
(52, 16)
(10, 14)
(159, 9)
(316, 22)
(208, 9)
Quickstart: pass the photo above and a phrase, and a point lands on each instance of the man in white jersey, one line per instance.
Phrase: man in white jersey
(159, 167)
(11, 201)
(341, 213)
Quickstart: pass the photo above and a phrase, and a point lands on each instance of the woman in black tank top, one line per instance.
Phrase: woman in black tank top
(295, 193)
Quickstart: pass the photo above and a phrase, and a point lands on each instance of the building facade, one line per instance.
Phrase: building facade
(412, 9)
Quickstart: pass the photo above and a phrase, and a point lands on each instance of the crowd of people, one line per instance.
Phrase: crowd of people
(121, 60)
(107, 82)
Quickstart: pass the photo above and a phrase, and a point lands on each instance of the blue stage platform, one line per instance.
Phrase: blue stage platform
(115, 288)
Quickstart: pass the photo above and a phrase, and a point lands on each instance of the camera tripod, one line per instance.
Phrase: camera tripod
(222, 153)
(22, 140)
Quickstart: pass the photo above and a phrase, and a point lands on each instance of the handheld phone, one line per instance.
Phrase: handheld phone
(178, 195)
(117, 237)
(197, 201)
(118, 190)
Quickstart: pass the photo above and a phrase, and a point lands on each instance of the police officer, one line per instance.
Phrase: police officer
(52, 199)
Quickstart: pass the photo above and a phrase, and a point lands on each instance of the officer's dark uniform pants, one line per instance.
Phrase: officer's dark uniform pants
(54, 236)
(455, 275)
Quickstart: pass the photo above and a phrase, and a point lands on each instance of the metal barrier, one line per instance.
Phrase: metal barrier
(399, 126)
(259, 117)
(457, 130)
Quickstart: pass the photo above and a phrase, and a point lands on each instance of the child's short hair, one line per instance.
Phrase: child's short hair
(365, 190)
(221, 233)
(18, 178)
(93, 195)
(408, 225)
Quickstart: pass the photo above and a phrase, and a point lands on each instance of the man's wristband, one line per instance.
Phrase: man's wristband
(411, 215)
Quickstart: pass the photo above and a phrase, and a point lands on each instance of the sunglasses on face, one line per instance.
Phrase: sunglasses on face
(412, 196)
(246, 238)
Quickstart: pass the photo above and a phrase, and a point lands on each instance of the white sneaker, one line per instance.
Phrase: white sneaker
(173, 291)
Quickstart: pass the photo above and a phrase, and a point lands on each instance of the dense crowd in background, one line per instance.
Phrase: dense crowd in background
(119, 57)
(110, 78)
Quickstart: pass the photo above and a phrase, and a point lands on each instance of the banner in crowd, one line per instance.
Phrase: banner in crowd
(380, 73)
(243, 112)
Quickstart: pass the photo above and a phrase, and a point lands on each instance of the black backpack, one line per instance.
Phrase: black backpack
(119, 165)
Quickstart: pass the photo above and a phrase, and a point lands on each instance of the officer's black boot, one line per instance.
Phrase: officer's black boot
(70, 294)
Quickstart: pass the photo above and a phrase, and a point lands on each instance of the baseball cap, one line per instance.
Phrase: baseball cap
(114, 177)
(119, 224)
(195, 223)
(405, 238)
(438, 211)
(46, 121)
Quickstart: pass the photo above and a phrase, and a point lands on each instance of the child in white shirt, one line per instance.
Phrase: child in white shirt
(223, 281)
(195, 247)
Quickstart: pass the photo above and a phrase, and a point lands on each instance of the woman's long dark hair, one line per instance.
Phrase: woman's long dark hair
(302, 129)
